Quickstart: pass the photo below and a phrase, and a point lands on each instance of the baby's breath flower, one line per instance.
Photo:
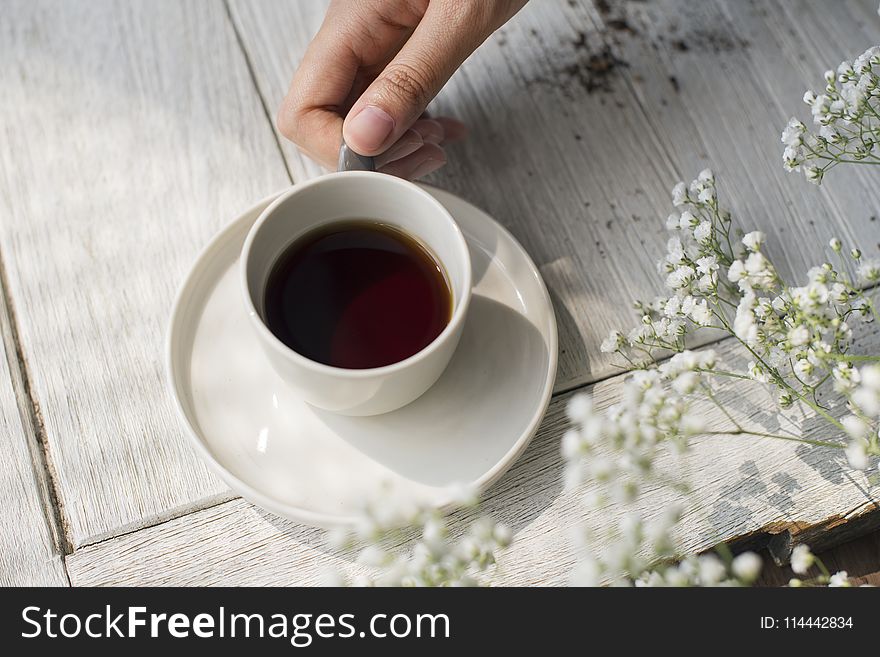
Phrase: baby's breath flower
(785, 399)
(753, 240)
(687, 220)
(869, 271)
(712, 571)
(857, 454)
(434, 559)
(867, 395)
(844, 117)
(736, 272)
(612, 343)
(793, 134)
(801, 559)
(839, 579)
(747, 567)
(679, 194)
(701, 314)
(680, 277)
(855, 426)
(798, 336)
(703, 232)
(744, 325)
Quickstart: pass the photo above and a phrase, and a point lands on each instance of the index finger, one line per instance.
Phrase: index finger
(311, 113)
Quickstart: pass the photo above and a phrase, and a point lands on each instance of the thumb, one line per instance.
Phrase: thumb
(400, 94)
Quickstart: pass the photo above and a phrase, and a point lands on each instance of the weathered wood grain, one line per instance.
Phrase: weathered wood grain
(743, 486)
(581, 122)
(130, 133)
(31, 542)
(719, 86)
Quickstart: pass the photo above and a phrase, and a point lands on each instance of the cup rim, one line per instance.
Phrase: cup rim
(458, 315)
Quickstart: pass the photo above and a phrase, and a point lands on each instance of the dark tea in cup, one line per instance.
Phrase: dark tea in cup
(357, 294)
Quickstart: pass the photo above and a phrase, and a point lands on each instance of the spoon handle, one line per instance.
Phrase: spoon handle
(351, 161)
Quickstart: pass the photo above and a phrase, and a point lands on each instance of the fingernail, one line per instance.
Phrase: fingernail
(369, 129)
(427, 167)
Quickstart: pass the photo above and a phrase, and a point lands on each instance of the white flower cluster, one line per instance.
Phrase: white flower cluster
(847, 119)
(802, 559)
(617, 448)
(801, 332)
(615, 452)
(706, 570)
(624, 566)
(862, 425)
(695, 256)
(799, 338)
(434, 559)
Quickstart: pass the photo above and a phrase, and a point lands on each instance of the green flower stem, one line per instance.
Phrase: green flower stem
(720, 406)
(819, 410)
(732, 375)
(776, 436)
(822, 567)
(854, 358)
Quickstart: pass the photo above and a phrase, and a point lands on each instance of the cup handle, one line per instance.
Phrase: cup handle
(351, 161)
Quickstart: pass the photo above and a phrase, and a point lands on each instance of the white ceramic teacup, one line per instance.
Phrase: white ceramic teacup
(356, 195)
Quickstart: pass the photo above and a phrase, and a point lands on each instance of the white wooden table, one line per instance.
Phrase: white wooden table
(130, 132)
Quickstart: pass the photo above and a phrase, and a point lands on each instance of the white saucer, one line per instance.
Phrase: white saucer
(317, 468)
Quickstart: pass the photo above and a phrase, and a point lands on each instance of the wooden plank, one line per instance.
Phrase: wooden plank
(718, 87)
(743, 489)
(131, 133)
(580, 125)
(31, 542)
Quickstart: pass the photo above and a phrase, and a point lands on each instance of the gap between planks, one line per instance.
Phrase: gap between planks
(253, 76)
(32, 424)
(29, 407)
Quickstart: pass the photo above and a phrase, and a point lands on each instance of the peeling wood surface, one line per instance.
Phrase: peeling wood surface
(583, 115)
(860, 558)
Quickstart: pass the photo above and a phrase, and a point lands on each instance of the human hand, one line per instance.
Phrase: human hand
(371, 71)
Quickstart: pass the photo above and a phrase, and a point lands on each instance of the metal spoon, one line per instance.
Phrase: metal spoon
(351, 161)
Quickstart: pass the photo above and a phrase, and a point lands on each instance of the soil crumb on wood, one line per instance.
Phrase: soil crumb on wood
(588, 66)
(592, 71)
(715, 41)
